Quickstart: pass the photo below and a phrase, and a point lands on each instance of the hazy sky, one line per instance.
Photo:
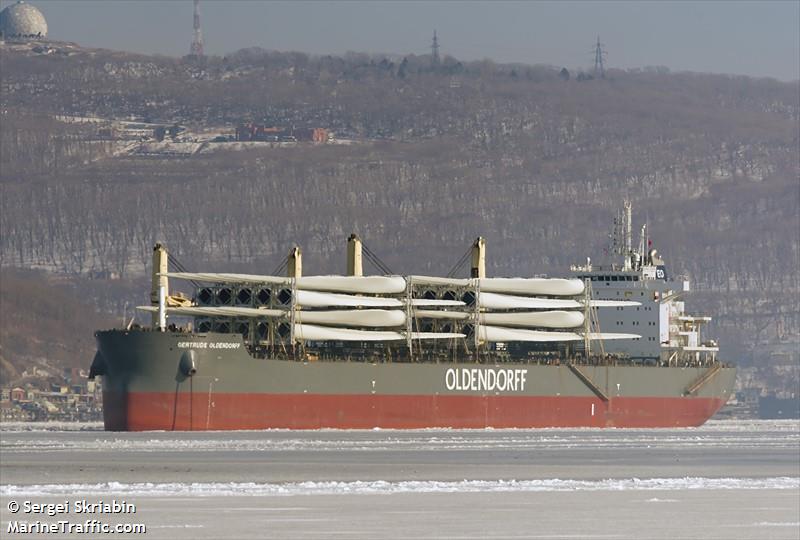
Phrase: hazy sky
(750, 38)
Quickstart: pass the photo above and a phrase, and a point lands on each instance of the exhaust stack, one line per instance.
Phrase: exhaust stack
(160, 282)
(354, 261)
(478, 267)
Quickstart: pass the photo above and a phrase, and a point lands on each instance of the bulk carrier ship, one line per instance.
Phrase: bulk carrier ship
(611, 346)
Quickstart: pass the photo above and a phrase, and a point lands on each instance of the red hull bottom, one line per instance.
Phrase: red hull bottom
(192, 412)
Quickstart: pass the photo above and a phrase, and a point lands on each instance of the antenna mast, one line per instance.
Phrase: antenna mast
(196, 48)
(627, 231)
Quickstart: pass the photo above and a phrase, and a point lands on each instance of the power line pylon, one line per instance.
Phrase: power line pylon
(196, 48)
(435, 50)
(599, 54)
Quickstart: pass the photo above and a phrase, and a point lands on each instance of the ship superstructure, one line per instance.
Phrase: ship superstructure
(668, 335)
(296, 351)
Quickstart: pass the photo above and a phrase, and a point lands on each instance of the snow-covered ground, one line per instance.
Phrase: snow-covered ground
(51, 426)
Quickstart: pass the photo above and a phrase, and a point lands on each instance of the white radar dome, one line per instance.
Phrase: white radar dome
(22, 21)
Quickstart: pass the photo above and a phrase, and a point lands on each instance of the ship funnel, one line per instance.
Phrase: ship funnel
(354, 262)
(294, 262)
(159, 278)
(478, 269)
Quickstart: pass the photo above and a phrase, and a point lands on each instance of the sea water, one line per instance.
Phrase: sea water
(726, 479)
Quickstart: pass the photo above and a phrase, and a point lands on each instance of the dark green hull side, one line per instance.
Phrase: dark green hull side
(149, 385)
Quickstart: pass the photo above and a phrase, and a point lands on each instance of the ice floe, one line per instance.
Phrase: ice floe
(378, 487)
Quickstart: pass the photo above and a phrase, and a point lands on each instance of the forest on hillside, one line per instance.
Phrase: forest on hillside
(535, 163)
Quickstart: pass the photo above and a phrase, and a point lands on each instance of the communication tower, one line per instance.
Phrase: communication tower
(196, 48)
